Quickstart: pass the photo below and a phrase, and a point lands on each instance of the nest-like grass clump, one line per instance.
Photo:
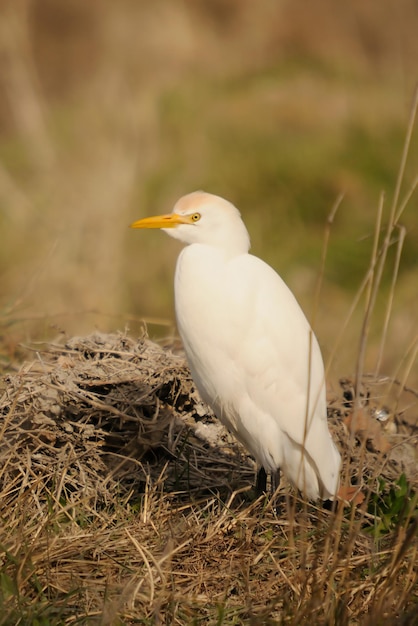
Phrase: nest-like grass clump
(105, 414)
(123, 500)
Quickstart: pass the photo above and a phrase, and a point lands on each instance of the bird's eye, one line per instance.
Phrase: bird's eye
(195, 217)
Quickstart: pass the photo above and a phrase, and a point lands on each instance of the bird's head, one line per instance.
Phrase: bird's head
(203, 218)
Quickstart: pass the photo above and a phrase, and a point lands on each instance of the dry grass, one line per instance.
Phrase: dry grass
(123, 502)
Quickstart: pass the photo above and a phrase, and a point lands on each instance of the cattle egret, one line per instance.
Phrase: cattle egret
(251, 351)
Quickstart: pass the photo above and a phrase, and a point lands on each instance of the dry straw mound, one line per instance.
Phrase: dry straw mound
(124, 501)
(106, 413)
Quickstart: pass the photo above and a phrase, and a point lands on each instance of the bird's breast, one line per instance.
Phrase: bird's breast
(201, 302)
(198, 284)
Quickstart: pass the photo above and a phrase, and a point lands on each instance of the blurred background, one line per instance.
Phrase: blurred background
(109, 111)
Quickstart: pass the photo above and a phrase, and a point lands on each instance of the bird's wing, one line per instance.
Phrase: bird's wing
(281, 372)
(271, 337)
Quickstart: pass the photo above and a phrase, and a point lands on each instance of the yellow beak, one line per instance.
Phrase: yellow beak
(162, 221)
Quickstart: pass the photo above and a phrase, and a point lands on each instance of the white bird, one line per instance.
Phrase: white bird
(251, 351)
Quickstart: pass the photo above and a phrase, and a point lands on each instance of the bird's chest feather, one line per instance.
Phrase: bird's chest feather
(201, 298)
(205, 317)
(198, 286)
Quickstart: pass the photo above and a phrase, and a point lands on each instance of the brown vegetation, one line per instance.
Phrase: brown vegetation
(123, 501)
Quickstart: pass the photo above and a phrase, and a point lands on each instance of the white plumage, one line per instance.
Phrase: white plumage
(251, 351)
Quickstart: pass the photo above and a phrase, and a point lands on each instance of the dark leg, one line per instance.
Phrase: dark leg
(330, 505)
(261, 482)
(275, 481)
